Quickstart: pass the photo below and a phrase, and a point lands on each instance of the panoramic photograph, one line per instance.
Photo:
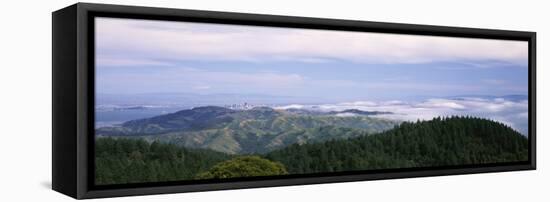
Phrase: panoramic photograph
(183, 101)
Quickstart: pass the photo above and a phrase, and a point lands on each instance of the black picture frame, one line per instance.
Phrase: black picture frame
(73, 99)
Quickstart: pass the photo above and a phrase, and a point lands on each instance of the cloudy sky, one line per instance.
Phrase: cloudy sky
(144, 56)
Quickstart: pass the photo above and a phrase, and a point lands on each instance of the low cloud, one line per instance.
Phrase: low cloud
(512, 112)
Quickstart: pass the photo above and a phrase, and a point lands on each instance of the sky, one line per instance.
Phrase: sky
(147, 56)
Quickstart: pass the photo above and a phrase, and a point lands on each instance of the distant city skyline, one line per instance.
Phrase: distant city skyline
(182, 57)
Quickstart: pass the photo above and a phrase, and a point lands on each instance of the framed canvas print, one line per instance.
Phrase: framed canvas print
(154, 100)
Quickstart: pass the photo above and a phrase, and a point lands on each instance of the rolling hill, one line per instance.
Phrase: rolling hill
(258, 130)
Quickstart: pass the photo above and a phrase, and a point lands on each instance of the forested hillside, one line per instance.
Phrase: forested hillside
(439, 142)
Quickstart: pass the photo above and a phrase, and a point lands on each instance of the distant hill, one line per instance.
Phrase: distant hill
(439, 142)
(357, 112)
(258, 130)
(185, 120)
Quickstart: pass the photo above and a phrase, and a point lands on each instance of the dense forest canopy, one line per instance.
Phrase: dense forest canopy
(437, 142)
(134, 161)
